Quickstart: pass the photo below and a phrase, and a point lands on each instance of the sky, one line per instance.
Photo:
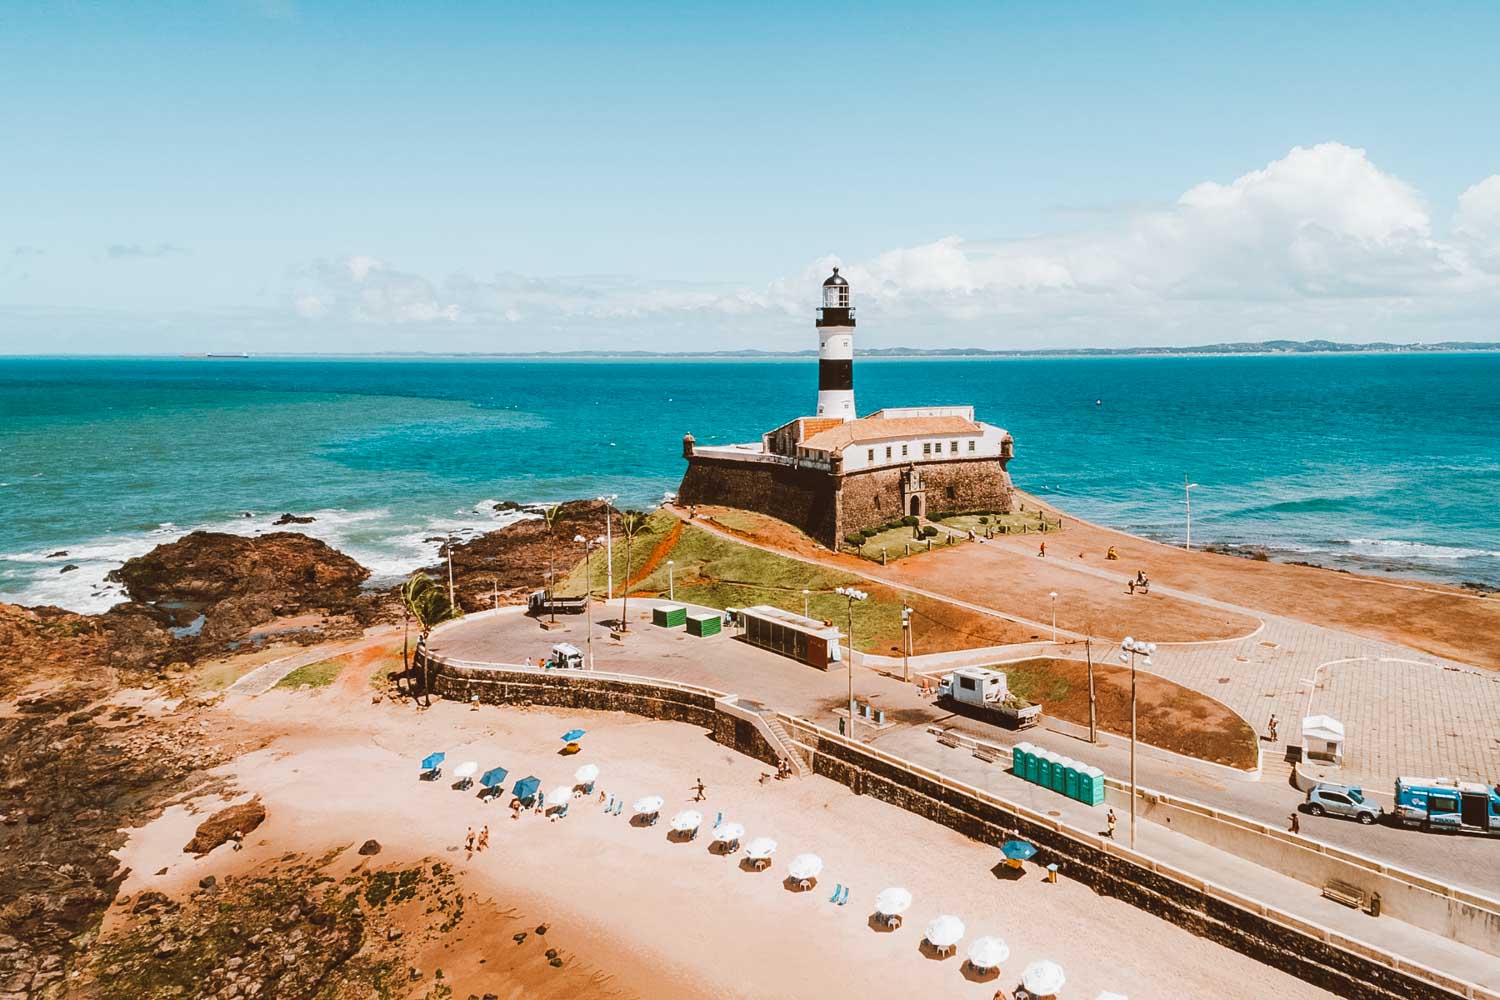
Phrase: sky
(289, 176)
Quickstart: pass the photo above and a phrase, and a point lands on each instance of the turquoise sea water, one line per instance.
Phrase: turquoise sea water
(1377, 462)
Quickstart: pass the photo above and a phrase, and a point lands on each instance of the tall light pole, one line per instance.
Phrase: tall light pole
(671, 585)
(905, 643)
(449, 548)
(1187, 498)
(853, 595)
(588, 598)
(608, 500)
(806, 598)
(1129, 649)
(1053, 595)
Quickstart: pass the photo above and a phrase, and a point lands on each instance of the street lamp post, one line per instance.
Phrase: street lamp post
(905, 643)
(853, 595)
(806, 598)
(449, 549)
(671, 584)
(1187, 498)
(1129, 649)
(609, 541)
(1053, 595)
(588, 597)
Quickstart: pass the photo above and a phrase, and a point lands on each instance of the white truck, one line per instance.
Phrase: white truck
(983, 694)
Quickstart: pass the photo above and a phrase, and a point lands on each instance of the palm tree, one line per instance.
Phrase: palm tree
(632, 523)
(550, 515)
(423, 600)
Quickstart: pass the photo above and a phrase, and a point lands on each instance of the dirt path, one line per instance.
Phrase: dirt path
(657, 556)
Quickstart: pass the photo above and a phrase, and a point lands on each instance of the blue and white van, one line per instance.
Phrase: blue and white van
(1448, 804)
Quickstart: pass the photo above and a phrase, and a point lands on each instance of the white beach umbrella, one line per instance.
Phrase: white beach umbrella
(761, 847)
(648, 806)
(1044, 978)
(805, 866)
(988, 952)
(728, 832)
(945, 931)
(560, 795)
(688, 819)
(587, 774)
(467, 769)
(1111, 996)
(893, 901)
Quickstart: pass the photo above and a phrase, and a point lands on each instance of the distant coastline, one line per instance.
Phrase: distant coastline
(1262, 348)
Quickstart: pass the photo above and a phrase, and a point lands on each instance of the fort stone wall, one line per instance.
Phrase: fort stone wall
(867, 499)
(803, 497)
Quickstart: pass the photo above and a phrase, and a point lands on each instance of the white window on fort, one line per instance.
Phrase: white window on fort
(903, 451)
(953, 447)
(869, 454)
(927, 447)
(887, 453)
(971, 444)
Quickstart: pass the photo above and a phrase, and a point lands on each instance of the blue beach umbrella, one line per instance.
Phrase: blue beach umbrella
(494, 777)
(432, 760)
(527, 787)
(1017, 850)
(572, 735)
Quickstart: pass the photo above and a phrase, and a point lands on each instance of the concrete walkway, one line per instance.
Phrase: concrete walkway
(266, 676)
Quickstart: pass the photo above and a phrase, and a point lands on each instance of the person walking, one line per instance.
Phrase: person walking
(1272, 727)
(1041, 552)
(469, 841)
(1296, 826)
(699, 790)
(1110, 822)
(484, 837)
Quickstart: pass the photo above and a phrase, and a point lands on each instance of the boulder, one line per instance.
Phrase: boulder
(292, 519)
(370, 847)
(222, 826)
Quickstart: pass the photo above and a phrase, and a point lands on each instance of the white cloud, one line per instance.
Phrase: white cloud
(1319, 243)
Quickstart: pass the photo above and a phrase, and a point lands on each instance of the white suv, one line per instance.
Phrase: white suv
(1342, 800)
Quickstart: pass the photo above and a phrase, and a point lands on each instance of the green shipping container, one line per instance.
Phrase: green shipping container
(703, 625)
(669, 615)
(1091, 786)
(1018, 759)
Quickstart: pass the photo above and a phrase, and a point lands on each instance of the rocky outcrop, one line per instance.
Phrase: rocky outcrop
(293, 519)
(226, 825)
(514, 560)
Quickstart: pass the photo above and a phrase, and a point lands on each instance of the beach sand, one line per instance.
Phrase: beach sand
(635, 914)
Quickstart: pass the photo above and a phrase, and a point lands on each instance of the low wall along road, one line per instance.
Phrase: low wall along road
(1316, 954)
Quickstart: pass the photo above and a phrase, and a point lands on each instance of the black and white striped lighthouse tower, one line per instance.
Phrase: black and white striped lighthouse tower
(836, 350)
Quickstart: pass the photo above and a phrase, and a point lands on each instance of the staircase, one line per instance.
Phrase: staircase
(788, 749)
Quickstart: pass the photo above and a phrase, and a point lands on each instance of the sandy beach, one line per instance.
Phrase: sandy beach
(635, 913)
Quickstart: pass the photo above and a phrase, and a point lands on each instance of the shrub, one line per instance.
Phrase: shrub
(984, 519)
(929, 532)
(855, 539)
(909, 521)
(869, 532)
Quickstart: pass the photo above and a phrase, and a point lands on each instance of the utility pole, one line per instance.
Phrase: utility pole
(853, 595)
(1187, 495)
(1088, 648)
(609, 544)
(450, 570)
(1128, 650)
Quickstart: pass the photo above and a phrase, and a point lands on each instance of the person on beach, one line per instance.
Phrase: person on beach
(1111, 554)
(515, 808)
(1041, 552)
(1296, 826)
(484, 837)
(239, 840)
(1272, 727)
(469, 841)
(541, 801)
(699, 789)
(1110, 822)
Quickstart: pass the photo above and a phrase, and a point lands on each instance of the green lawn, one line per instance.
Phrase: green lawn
(320, 674)
(1009, 523)
(894, 542)
(718, 573)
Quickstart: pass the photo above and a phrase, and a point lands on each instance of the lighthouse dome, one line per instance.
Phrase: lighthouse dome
(835, 279)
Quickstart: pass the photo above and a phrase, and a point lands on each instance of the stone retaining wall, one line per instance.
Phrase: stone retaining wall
(1181, 900)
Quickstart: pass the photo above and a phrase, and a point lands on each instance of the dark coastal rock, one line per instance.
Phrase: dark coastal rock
(514, 559)
(70, 567)
(292, 519)
(205, 567)
(370, 848)
(58, 554)
(508, 505)
(222, 826)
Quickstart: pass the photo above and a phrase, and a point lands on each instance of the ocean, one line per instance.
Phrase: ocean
(1379, 463)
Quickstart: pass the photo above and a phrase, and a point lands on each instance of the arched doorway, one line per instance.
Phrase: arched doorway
(916, 506)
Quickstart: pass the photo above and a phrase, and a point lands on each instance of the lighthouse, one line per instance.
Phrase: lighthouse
(836, 350)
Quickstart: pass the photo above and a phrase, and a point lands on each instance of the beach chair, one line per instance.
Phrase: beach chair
(609, 805)
(836, 890)
(845, 897)
(717, 820)
(618, 806)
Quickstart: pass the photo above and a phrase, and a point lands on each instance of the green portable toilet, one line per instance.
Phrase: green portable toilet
(1045, 761)
(1034, 765)
(1018, 758)
(703, 624)
(1059, 774)
(1091, 786)
(1070, 779)
(669, 615)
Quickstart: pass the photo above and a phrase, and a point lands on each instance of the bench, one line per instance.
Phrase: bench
(948, 740)
(987, 754)
(1346, 893)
